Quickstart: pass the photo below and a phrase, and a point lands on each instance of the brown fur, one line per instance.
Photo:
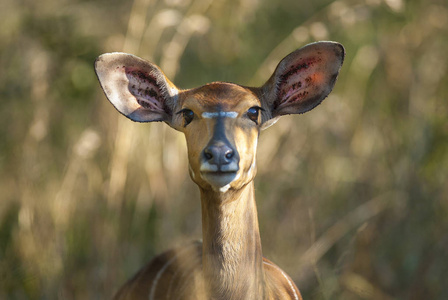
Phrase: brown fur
(182, 279)
(221, 126)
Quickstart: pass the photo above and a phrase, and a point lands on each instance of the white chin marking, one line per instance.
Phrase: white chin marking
(222, 114)
(224, 188)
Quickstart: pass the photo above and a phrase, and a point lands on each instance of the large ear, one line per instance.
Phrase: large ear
(302, 79)
(137, 88)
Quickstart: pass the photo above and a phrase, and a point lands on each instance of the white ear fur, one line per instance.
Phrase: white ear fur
(137, 88)
(303, 79)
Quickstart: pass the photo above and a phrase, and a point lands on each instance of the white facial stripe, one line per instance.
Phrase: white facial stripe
(223, 114)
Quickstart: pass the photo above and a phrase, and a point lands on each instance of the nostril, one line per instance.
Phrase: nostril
(208, 154)
(229, 154)
(218, 154)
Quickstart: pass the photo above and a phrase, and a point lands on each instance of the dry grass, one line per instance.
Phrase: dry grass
(352, 196)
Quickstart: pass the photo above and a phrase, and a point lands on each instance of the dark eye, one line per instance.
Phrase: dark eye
(188, 116)
(252, 113)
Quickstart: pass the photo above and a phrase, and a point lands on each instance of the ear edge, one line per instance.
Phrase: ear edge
(134, 110)
(270, 90)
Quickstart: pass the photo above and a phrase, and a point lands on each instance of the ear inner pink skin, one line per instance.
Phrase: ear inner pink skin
(144, 87)
(289, 93)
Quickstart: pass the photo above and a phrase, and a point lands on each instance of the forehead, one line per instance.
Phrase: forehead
(220, 96)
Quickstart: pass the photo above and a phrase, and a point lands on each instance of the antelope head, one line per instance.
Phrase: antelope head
(221, 121)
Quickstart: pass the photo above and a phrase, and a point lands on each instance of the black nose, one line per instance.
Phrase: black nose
(218, 154)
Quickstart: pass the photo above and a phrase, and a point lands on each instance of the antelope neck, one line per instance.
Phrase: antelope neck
(232, 256)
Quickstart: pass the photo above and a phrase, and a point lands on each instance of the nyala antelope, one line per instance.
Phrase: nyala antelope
(221, 122)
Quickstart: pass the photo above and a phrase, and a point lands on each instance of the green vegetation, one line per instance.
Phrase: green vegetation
(352, 197)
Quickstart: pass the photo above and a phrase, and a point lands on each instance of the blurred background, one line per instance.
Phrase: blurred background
(352, 197)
